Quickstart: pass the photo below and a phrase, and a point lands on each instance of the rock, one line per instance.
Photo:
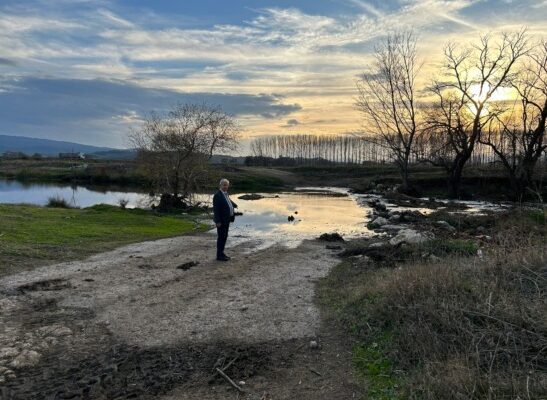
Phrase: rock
(380, 221)
(333, 247)
(484, 237)
(394, 218)
(314, 344)
(331, 237)
(390, 227)
(188, 265)
(380, 207)
(8, 352)
(481, 229)
(27, 358)
(376, 245)
(244, 308)
(445, 225)
(241, 383)
(251, 196)
(62, 331)
(54, 330)
(408, 236)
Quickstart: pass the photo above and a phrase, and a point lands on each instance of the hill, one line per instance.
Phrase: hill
(47, 147)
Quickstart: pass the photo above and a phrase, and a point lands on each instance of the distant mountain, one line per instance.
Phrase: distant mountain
(48, 147)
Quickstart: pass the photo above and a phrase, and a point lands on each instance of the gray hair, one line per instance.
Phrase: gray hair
(223, 180)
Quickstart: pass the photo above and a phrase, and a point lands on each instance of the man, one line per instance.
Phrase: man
(223, 209)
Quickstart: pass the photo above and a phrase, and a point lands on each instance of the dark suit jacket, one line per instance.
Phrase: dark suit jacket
(221, 209)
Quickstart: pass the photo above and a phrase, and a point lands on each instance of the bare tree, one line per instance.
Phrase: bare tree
(174, 149)
(518, 139)
(464, 104)
(387, 98)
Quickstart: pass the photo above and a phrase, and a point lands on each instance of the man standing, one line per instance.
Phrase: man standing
(223, 209)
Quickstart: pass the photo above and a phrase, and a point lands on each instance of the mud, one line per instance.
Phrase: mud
(131, 324)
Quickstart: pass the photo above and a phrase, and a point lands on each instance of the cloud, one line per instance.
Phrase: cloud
(101, 112)
(8, 62)
(311, 57)
(291, 123)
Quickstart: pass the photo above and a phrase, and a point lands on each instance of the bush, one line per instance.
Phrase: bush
(123, 203)
(58, 202)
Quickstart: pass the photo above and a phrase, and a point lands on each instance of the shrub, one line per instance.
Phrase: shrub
(57, 202)
(123, 203)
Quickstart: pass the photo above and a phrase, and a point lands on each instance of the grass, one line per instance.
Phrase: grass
(31, 236)
(459, 327)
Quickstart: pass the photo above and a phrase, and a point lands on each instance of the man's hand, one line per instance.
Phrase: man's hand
(218, 224)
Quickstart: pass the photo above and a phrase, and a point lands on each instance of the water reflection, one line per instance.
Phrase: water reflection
(13, 192)
(266, 220)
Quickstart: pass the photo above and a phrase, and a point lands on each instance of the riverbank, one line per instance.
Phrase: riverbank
(32, 236)
(452, 306)
(125, 175)
(487, 182)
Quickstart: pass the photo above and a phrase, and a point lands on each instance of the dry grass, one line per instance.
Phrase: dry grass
(460, 327)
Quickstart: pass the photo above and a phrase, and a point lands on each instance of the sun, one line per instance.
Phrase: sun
(500, 94)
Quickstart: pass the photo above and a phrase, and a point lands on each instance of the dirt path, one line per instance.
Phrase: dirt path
(131, 323)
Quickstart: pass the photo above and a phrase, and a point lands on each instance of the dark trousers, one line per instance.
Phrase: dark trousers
(222, 237)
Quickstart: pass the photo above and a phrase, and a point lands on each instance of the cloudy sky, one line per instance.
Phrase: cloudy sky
(89, 70)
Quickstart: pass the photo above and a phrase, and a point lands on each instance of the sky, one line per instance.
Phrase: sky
(89, 71)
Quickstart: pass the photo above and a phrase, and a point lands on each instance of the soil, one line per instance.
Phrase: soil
(132, 324)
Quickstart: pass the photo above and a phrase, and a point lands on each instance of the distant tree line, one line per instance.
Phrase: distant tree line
(308, 149)
(317, 149)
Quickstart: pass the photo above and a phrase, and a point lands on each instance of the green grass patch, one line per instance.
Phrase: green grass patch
(372, 362)
(32, 236)
(343, 294)
(444, 247)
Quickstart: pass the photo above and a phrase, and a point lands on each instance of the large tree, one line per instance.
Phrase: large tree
(387, 99)
(464, 103)
(174, 148)
(518, 138)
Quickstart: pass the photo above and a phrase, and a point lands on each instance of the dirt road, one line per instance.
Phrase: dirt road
(155, 320)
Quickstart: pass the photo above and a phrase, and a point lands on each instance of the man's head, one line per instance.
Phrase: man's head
(224, 184)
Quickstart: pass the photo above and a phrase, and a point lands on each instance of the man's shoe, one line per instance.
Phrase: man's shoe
(223, 258)
(228, 257)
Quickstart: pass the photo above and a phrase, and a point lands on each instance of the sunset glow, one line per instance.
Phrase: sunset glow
(89, 71)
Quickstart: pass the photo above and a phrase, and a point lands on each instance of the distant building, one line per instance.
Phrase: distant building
(72, 156)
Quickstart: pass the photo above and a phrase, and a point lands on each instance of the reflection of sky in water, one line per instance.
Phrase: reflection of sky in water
(265, 220)
(15, 192)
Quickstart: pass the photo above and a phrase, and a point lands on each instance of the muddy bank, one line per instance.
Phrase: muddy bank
(130, 324)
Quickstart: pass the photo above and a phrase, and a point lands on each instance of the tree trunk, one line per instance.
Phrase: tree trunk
(455, 177)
